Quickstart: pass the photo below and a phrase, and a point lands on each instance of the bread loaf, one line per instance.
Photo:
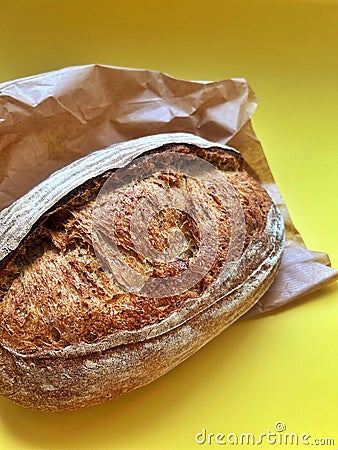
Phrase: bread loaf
(75, 331)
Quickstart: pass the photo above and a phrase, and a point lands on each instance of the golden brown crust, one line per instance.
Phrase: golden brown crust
(78, 302)
(56, 300)
(57, 383)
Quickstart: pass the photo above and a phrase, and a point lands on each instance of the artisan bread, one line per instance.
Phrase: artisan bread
(71, 333)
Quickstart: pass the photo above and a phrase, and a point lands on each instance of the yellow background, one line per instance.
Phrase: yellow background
(280, 367)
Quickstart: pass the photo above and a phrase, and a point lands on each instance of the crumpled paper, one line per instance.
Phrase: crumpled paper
(52, 119)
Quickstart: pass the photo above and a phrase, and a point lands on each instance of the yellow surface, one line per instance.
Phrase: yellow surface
(278, 368)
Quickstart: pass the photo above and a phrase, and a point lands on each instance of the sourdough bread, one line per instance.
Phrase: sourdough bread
(70, 334)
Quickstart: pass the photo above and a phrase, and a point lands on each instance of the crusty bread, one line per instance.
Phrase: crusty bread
(70, 336)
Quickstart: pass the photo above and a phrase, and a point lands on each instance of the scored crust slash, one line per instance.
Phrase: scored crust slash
(121, 265)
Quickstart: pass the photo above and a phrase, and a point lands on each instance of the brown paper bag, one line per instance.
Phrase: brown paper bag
(50, 120)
